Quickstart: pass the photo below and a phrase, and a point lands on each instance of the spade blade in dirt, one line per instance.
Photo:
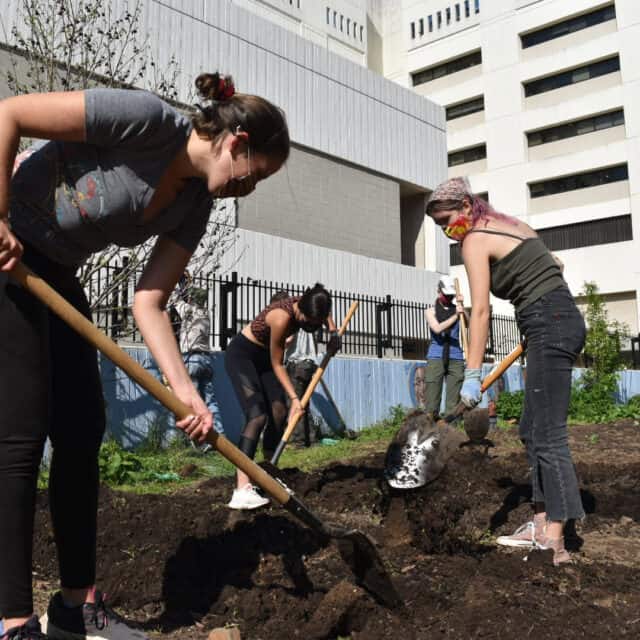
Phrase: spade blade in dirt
(357, 550)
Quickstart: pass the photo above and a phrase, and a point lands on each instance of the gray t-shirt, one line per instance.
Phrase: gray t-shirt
(70, 200)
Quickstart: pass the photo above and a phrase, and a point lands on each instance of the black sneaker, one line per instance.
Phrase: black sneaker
(30, 630)
(87, 622)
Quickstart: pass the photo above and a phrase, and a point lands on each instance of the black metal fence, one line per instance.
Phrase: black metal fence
(382, 326)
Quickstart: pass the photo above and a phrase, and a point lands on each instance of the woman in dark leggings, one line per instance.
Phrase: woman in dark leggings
(112, 167)
(254, 362)
(505, 256)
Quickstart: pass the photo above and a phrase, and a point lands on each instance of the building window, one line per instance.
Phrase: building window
(577, 128)
(448, 14)
(348, 25)
(477, 6)
(413, 30)
(430, 23)
(421, 27)
(355, 28)
(467, 10)
(341, 22)
(447, 68)
(335, 18)
(361, 32)
(439, 19)
(465, 108)
(457, 13)
(328, 15)
(573, 76)
(468, 155)
(566, 27)
(579, 181)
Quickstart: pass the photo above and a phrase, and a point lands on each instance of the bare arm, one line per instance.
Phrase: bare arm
(22, 116)
(162, 272)
(278, 321)
(476, 262)
(439, 327)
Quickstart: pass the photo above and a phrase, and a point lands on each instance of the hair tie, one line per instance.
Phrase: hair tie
(225, 89)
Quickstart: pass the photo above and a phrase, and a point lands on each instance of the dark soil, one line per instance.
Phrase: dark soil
(181, 565)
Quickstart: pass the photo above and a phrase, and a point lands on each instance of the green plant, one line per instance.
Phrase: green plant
(509, 405)
(117, 466)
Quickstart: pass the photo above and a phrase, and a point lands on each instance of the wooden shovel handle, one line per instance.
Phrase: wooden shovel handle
(502, 366)
(463, 325)
(306, 398)
(54, 301)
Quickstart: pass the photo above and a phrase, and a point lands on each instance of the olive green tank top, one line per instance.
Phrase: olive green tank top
(526, 273)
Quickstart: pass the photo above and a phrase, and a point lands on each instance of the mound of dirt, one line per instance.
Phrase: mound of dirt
(182, 565)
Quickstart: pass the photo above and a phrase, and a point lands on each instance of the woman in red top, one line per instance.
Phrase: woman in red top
(254, 361)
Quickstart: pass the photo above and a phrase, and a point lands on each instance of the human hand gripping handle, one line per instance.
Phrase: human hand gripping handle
(10, 248)
(471, 392)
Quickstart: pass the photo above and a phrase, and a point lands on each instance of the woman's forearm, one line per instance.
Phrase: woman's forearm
(283, 377)
(9, 140)
(155, 327)
(478, 332)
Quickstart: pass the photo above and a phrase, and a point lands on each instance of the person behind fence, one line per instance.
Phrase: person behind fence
(113, 166)
(505, 256)
(445, 359)
(195, 328)
(254, 361)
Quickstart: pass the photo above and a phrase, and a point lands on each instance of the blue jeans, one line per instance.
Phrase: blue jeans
(555, 334)
(200, 368)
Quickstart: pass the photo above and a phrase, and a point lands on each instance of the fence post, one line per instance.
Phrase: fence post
(385, 343)
(635, 346)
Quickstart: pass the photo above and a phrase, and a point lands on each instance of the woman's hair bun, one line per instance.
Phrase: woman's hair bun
(215, 86)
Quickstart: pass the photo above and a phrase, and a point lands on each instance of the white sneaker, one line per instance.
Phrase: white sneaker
(247, 497)
(522, 537)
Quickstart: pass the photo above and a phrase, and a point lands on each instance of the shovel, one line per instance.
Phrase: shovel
(476, 421)
(355, 547)
(310, 389)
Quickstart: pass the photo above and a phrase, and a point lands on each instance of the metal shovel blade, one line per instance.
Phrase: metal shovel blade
(357, 550)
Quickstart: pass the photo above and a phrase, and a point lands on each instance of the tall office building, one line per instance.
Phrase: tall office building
(541, 100)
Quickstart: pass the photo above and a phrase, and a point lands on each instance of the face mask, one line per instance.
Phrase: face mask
(459, 228)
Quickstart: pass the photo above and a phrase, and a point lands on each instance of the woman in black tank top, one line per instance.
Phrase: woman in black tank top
(254, 363)
(530, 277)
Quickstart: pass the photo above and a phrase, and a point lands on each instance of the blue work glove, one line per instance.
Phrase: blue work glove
(470, 393)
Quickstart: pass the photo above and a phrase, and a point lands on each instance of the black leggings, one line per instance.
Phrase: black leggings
(261, 396)
(49, 386)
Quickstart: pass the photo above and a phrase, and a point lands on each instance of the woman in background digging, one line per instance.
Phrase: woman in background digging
(445, 360)
(254, 361)
(505, 256)
(118, 167)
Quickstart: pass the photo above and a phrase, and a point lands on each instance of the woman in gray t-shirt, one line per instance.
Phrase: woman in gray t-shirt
(113, 167)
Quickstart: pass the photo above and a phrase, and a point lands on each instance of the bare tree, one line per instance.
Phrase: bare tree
(58, 45)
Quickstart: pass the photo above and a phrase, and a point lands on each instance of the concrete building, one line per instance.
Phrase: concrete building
(348, 208)
(541, 104)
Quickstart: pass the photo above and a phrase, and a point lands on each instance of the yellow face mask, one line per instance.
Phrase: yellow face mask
(459, 228)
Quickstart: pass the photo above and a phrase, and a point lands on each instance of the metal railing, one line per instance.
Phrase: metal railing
(382, 326)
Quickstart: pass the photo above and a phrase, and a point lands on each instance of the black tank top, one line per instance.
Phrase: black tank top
(526, 273)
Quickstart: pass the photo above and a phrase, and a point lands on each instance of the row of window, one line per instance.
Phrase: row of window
(471, 154)
(435, 21)
(576, 181)
(465, 108)
(576, 128)
(572, 76)
(575, 236)
(571, 25)
(344, 24)
(447, 68)
(543, 136)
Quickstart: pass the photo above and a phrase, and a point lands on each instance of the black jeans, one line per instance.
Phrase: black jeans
(555, 334)
(49, 386)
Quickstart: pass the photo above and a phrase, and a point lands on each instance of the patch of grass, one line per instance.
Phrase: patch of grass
(153, 469)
